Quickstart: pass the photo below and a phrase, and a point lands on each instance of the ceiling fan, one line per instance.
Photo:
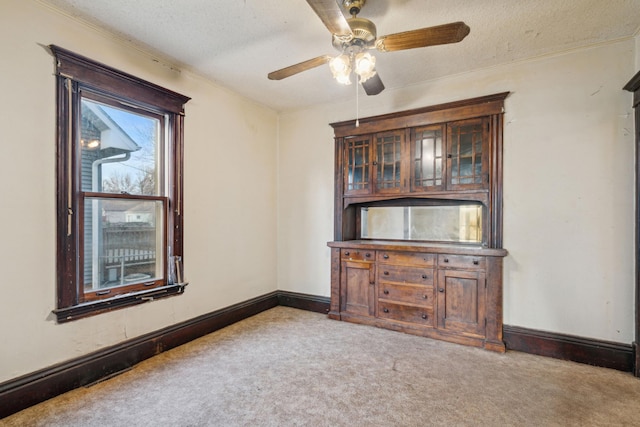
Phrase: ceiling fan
(354, 36)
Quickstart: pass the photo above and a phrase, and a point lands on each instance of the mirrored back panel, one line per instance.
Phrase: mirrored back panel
(460, 223)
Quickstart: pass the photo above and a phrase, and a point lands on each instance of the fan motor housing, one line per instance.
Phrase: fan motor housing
(364, 36)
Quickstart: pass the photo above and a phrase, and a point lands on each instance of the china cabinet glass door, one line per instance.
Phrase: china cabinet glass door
(467, 158)
(357, 164)
(388, 161)
(428, 159)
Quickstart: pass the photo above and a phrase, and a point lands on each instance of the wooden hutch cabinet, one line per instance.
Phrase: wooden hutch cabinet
(418, 222)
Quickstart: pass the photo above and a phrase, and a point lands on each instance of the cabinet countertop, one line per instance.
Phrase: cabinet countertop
(419, 247)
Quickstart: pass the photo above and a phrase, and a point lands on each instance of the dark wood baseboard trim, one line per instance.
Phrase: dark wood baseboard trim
(304, 301)
(25, 391)
(594, 352)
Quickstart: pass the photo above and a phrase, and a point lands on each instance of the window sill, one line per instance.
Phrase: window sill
(92, 308)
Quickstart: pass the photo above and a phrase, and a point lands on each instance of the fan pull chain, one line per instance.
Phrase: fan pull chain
(357, 103)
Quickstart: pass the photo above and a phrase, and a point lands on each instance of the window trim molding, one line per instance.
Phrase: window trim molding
(75, 73)
(105, 78)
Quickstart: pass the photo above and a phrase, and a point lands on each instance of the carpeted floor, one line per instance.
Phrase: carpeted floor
(287, 367)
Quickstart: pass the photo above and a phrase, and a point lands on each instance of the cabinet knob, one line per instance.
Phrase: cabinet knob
(386, 292)
(386, 273)
(385, 256)
(424, 316)
(386, 310)
(476, 262)
(424, 297)
(347, 253)
(424, 276)
(441, 290)
(368, 255)
(449, 156)
(446, 260)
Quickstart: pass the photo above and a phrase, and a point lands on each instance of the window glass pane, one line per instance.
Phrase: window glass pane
(119, 150)
(123, 241)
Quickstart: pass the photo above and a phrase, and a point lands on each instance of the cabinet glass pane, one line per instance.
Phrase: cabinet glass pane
(428, 158)
(389, 160)
(466, 154)
(357, 157)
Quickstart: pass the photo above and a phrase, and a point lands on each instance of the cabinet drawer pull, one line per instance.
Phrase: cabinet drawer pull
(385, 256)
(441, 290)
(446, 260)
(424, 316)
(347, 253)
(386, 292)
(386, 273)
(424, 297)
(368, 255)
(476, 262)
(386, 310)
(424, 276)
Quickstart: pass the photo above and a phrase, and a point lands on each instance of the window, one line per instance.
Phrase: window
(119, 188)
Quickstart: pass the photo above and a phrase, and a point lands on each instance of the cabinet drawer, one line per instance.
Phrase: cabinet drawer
(401, 274)
(406, 313)
(413, 294)
(406, 258)
(461, 261)
(357, 255)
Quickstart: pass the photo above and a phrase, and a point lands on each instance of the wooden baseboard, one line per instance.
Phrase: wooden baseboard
(25, 391)
(605, 354)
(304, 301)
(28, 390)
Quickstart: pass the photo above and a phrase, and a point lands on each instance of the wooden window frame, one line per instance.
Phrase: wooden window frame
(75, 75)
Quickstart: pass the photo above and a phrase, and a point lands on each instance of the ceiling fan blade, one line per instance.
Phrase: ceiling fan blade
(330, 14)
(431, 36)
(373, 85)
(298, 68)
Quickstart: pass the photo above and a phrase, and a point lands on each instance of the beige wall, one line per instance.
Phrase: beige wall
(230, 211)
(568, 198)
(568, 187)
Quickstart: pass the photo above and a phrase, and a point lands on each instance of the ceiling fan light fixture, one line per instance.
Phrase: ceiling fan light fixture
(341, 69)
(365, 64)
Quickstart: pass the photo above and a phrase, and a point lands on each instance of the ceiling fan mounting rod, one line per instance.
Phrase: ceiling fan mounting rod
(353, 6)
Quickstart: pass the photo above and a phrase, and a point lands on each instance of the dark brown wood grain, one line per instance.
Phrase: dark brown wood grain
(460, 285)
(568, 347)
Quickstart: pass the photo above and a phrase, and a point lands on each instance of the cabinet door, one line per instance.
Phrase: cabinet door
(461, 301)
(358, 288)
(388, 162)
(467, 154)
(428, 160)
(357, 165)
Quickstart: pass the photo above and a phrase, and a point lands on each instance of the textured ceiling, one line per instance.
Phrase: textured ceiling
(236, 43)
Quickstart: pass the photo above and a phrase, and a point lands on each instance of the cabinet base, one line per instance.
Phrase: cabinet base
(428, 332)
(335, 315)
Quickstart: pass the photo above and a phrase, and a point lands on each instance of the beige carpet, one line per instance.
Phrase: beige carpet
(287, 367)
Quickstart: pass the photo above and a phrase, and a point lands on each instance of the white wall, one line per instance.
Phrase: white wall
(568, 187)
(230, 209)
